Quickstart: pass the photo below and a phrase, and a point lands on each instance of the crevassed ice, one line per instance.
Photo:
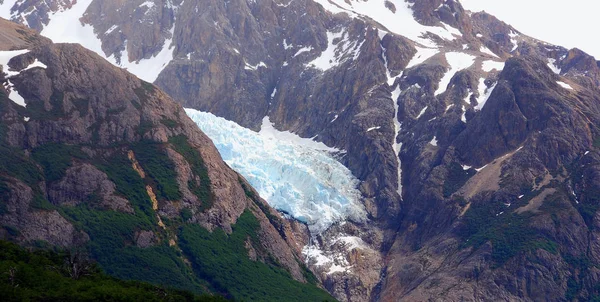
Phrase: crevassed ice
(295, 175)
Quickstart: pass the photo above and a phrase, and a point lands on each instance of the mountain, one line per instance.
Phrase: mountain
(95, 159)
(474, 146)
(46, 275)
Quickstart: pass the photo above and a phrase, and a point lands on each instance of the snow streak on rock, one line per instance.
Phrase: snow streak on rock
(457, 61)
(295, 175)
(65, 27)
(399, 20)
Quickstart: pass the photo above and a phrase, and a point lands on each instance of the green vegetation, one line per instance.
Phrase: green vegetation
(144, 127)
(47, 276)
(186, 214)
(169, 123)
(129, 184)
(457, 177)
(112, 244)
(56, 158)
(223, 260)
(509, 233)
(37, 110)
(144, 91)
(160, 169)
(202, 189)
(14, 163)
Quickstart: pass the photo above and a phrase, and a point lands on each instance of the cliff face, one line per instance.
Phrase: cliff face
(476, 145)
(101, 160)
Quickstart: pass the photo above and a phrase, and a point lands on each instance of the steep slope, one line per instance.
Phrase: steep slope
(95, 158)
(475, 145)
(47, 275)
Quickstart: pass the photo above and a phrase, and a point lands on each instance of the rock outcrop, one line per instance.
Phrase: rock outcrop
(97, 152)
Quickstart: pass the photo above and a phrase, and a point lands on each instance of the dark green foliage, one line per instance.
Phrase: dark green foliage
(112, 245)
(82, 105)
(144, 91)
(144, 127)
(12, 231)
(37, 111)
(457, 177)
(55, 159)
(40, 202)
(129, 184)
(223, 260)
(43, 276)
(186, 214)
(193, 157)
(509, 233)
(170, 123)
(160, 169)
(116, 110)
(14, 163)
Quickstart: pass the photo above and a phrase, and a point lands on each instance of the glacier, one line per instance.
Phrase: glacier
(297, 176)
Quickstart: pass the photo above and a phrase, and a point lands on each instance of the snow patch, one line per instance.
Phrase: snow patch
(564, 85)
(513, 39)
(373, 128)
(400, 22)
(65, 27)
(423, 53)
(422, 112)
(255, 67)
(457, 61)
(488, 66)
(433, 141)
(488, 51)
(303, 49)
(339, 49)
(5, 57)
(333, 254)
(295, 175)
(553, 66)
(396, 146)
(484, 93)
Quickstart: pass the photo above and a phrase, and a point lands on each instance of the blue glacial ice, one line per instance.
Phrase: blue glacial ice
(295, 175)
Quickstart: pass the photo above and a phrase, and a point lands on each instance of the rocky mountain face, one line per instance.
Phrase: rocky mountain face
(476, 146)
(96, 159)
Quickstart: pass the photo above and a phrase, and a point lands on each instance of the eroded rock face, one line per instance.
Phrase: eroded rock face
(80, 182)
(93, 112)
(473, 144)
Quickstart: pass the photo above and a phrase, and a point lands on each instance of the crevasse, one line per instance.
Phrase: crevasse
(298, 176)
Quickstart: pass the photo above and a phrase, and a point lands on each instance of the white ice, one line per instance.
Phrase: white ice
(65, 27)
(488, 51)
(484, 93)
(457, 61)
(423, 53)
(422, 112)
(552, 65)
(339, 49)
(400, 22)
(564, 85)
(492, 65)
(295, 175)
(5, 57)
